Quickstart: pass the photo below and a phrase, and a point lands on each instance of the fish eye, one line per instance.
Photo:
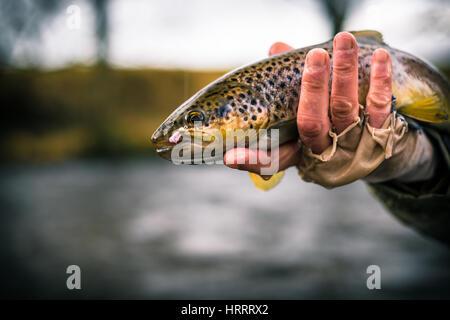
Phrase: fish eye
(195, 115)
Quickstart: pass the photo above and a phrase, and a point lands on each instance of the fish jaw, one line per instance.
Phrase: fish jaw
(162, 146)
(197, 139)
(161, 139)
(168, 134)
(165, 152)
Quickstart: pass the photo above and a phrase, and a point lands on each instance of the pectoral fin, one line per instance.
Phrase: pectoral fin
(429, 109)
(265, 185)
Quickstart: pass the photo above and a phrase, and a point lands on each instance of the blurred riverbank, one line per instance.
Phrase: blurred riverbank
(79, 112)
(88, 111)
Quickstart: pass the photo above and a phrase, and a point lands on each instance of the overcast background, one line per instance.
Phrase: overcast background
(200, 34)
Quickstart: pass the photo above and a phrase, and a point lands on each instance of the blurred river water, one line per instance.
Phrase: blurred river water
(150, 229)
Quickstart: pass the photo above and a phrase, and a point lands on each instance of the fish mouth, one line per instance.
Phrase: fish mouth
(163, 149)
(186, 152)
(165, 152)
(162, 146)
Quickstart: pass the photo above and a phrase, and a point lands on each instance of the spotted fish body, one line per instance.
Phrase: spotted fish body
(265, 94)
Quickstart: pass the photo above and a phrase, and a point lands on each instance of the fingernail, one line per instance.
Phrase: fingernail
(381, 56)
(381, 66)
(317, 58)
(344, 43)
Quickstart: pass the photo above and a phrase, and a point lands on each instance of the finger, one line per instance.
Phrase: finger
(239, 158)
(380, 92)
(312, 117)
(279, 47)
(344, 89)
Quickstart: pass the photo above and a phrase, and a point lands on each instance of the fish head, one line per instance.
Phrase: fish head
(219, 107)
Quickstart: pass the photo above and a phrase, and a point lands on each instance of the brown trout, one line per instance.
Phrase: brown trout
(265, 94)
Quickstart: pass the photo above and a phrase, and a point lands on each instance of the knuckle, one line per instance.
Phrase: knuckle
(344, 68)
(383, 78)
(345, 61)
(342, 107)
(379, 100)
(314, 82)
(310, 129)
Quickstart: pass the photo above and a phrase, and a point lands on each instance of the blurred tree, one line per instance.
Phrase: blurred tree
(22, 20)
(337, 11)
(102, 30)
